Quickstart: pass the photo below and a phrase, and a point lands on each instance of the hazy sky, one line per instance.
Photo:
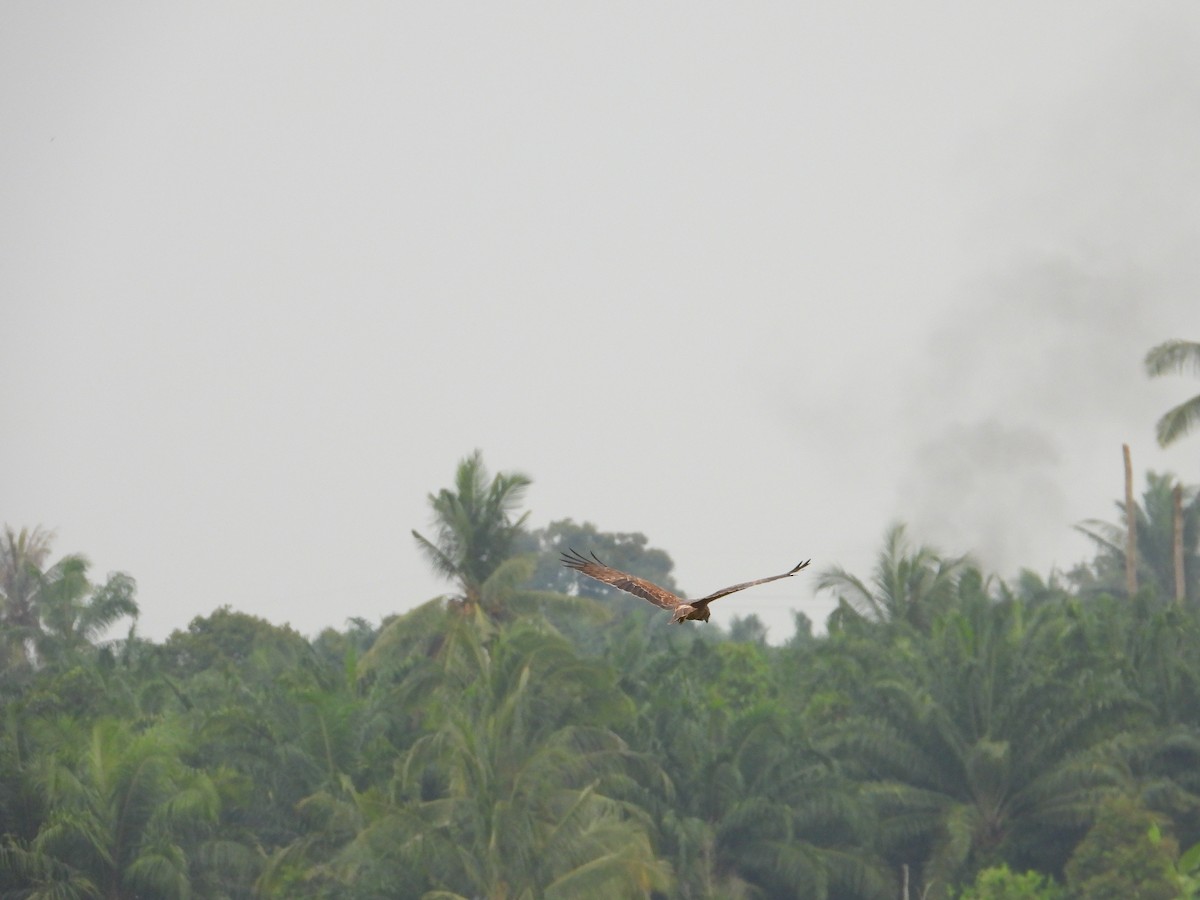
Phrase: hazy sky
(753, 279)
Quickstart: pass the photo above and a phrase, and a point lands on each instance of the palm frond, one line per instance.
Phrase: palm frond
(851, 589)
(1173, 357)
(505, 579)
(441, 561)
(1178, 421)
(55, 879)
(161, 872)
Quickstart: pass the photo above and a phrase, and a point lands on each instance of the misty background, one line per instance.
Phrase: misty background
(754, 281)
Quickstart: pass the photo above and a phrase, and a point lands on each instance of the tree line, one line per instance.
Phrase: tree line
(532, 735)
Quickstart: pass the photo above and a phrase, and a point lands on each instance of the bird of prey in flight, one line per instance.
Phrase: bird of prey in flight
(681, 610)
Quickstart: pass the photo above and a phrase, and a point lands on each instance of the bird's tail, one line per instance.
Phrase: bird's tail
(679, 616)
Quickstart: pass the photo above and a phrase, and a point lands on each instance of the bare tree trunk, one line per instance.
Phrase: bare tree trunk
(904, 869)
(1180, 587)
(1130, 528)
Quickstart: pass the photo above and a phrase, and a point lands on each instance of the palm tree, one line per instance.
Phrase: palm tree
(482, 547)
(22, 556)
(75, 614)
(1155, 648)
(53, 613)
(476, 534)
(908, 585)
(980, 742)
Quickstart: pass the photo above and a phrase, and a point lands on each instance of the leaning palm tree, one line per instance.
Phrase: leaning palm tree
(1175, 357)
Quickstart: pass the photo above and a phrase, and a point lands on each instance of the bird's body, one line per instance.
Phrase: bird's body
(681, 610)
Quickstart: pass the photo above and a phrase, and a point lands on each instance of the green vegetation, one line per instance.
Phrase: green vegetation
(950, 735)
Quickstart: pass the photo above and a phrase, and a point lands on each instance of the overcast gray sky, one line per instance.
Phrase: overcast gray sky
(753, 279)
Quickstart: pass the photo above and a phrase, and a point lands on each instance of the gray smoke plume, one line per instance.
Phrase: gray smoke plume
(1087, 257)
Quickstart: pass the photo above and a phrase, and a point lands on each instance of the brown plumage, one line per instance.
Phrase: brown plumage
(681, 609)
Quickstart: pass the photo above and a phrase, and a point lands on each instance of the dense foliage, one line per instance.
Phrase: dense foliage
(948, 735)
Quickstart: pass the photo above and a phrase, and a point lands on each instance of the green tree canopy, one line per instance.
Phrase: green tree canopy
(1124, 857)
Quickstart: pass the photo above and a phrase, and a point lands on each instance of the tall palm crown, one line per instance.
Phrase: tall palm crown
(475, 532)
(1175, 357)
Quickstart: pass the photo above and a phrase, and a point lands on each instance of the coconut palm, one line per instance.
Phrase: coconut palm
(479, 545)
(1175, 357)
(475, 533)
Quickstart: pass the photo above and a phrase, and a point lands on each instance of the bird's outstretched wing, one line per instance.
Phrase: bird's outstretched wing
(631, 584)
(741, 587)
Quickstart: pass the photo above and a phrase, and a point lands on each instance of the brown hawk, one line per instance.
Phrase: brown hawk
(681, 609)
